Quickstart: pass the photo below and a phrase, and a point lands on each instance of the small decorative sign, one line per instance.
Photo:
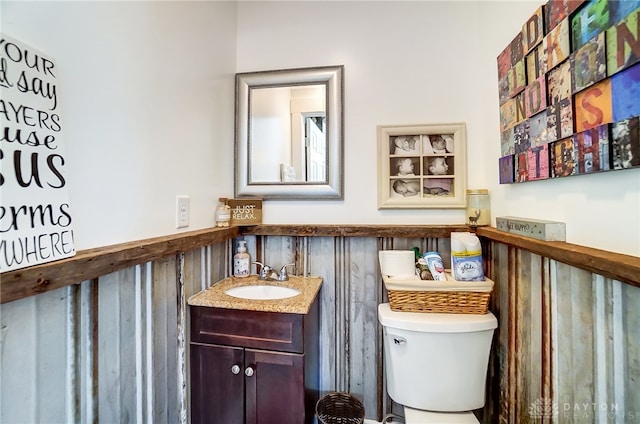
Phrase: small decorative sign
(35, 216)
(245, 211)
(534, 228)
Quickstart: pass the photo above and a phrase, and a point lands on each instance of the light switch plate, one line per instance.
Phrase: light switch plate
(534, 228)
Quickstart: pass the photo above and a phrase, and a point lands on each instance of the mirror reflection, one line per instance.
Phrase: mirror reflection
(288, 134)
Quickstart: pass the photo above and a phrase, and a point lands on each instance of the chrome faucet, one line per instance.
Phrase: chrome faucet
(268, 273)
(284, 276)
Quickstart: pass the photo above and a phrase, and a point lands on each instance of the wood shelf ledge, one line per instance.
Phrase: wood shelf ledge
(338, 230)
(93, 263)
(621, 267)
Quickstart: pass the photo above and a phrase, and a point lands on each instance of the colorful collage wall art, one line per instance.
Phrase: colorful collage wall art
(569, 87)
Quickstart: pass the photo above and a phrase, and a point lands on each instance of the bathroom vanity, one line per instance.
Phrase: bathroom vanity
(255, 360)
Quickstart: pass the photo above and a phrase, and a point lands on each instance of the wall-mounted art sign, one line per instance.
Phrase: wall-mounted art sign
(578, 110)
(35, 215)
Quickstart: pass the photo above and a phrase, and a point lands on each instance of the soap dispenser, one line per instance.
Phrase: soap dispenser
(241, 261)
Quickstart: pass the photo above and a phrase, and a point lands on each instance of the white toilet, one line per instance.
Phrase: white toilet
(436, 364)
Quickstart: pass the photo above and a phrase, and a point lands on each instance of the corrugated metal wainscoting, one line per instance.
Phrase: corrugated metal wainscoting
(110, 350)
(568, 346)
(115, 349)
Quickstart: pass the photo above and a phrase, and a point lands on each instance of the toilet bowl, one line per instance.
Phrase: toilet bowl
(436, 364)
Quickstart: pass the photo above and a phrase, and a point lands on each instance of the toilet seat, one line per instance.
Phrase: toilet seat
(416, 416)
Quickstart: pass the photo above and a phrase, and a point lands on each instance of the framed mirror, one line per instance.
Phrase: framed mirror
(289, 133)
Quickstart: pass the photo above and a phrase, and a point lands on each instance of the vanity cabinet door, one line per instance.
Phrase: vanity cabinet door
(275, 391)
(217, 384)
(253, 367)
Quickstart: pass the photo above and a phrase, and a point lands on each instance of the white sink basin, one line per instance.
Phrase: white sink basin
(262, 292)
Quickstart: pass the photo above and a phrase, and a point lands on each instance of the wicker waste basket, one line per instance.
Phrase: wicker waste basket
(339, 408)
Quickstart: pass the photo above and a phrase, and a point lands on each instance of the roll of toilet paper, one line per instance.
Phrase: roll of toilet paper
(397, 263)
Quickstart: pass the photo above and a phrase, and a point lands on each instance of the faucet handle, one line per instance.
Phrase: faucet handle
(284, 276)
(263, 271)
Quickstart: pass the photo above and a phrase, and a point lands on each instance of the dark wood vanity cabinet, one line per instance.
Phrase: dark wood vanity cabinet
(253, 367)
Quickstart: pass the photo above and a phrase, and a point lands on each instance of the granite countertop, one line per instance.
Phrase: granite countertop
(215, 296)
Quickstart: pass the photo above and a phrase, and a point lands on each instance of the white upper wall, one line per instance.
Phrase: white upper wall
(146, 92)
(147, 100)
(426, 62)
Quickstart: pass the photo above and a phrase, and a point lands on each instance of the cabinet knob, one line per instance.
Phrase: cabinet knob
(248, 372)
(235, 369)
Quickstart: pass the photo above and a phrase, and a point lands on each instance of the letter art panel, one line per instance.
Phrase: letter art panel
(504, 62)
(559, 83)
(506, 169)
(508, 115)
(521, 140)
(590, 20)
(538, 163)
(538, 131)
(533, 31)
(517, 78)
(625, 93)
(504, 91)
(507, 142)
(536, 96)
(555, 12)
(563, 158)
(588, 64)
(566, 118)
(626, 143)
(593, 106)
(522, 167)
(536, 64)
(623, 43)
(557, 44)
(593, 150)
(517, 51)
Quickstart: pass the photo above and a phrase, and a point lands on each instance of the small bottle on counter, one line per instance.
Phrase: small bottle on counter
(223, 213)
(241, 261)
(478, 208)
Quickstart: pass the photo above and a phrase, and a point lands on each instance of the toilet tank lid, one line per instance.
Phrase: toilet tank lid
(435, 323)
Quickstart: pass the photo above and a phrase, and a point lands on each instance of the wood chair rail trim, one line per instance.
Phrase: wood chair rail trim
(93, 263)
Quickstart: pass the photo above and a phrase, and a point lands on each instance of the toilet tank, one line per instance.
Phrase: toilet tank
(436, 362)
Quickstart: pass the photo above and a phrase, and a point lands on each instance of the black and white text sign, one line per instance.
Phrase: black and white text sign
(35, 216)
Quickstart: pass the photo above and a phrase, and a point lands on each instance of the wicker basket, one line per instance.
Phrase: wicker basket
(339, 408)
(451, 297)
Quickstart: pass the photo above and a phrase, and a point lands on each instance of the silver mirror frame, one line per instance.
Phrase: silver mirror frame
(333, 188)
